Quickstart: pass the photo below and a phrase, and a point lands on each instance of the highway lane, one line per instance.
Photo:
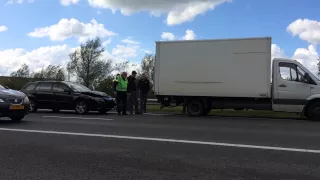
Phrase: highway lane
(53, 151)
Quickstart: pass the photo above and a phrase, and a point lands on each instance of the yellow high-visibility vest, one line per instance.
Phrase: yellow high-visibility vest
(122, 84)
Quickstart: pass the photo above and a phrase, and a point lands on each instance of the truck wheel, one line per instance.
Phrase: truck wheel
(313, 111)
(195, 108)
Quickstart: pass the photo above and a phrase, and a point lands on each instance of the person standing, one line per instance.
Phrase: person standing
(144, 88)
(132, 93)
(120, 89)
(114, 84)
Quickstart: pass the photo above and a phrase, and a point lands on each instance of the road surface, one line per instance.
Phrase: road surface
(72, 147)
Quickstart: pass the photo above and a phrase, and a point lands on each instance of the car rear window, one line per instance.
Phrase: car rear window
(30, 86)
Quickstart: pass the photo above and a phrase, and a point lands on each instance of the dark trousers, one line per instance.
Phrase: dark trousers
(121, 102)
(133, 101)
(143, 101)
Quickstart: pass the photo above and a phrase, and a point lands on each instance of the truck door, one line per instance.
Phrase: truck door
(291, 88)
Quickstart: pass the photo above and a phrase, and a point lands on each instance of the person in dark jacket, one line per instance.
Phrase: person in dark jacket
(144, 88)
(133, 94)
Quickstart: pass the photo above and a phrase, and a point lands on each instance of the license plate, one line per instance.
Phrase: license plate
(16, 107)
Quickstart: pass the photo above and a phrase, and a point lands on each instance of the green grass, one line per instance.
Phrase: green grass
(232, 113)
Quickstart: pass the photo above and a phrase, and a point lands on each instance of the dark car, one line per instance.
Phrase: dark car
(13, 104)
(61, 95)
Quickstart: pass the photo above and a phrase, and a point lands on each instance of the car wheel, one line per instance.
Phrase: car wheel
(195, 108)
(17, 118)
(33, 107)
(81, 107)
(313, 111)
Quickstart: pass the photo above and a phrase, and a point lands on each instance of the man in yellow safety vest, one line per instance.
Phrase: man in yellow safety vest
(120, 89)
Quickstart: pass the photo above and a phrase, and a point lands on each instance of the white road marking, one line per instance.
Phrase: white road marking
(151, 114)
(167, 140)
(67, 117)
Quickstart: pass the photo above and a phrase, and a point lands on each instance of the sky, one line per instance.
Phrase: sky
(44, 32)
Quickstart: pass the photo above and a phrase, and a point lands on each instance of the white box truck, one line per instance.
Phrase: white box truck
(235, 74)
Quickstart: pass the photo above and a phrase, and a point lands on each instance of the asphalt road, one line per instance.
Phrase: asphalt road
(67, 146)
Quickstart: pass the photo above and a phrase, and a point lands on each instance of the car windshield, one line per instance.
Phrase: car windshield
(78, 87)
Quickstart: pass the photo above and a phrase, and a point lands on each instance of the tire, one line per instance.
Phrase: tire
(81, 107)
(195, 108)
(17, 118)
(33, 106)
(311, 114)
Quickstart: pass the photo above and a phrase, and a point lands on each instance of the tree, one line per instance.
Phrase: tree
(51, 72)
(106, 85)
(148, 66)
(121, 67)
(23, 71)
(87, 65)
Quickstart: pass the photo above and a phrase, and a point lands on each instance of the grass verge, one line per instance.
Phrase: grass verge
(232, 113)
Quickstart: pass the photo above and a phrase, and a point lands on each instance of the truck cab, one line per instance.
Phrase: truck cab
(295, 89)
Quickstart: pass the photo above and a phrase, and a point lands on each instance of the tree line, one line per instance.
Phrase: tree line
(86, 64)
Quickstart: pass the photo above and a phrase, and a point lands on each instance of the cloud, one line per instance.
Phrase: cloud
(36, 59)
(19, 1)
(189, 35)
(308, 30)
(130, 41)
(168, 36)
(128, 50)
(125, 51)
(3, 28)
(67, 28)
(107, 42)
(68, 2)
(12, 59)
(178, 11)
(277, 52)
(308, 57)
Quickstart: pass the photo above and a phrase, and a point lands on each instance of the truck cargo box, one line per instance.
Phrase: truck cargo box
(218, 68)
